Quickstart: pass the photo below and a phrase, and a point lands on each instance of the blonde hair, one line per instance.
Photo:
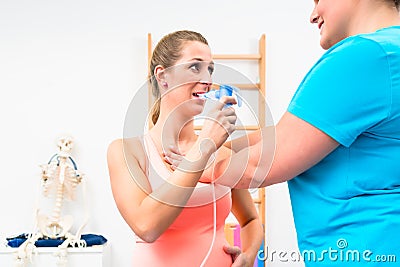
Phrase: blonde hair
(396, 3)
(166, 53)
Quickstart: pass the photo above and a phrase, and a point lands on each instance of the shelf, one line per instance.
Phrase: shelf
(94, 256)
(237, 57)
(242, 86)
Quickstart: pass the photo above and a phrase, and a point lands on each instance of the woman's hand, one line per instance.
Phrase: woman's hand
(173, 156)
(219, 123)
(239, 259)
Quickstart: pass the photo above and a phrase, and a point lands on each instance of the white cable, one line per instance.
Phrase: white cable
(215, 225)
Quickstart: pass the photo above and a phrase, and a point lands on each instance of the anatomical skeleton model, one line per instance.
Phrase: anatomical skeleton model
(60, 177)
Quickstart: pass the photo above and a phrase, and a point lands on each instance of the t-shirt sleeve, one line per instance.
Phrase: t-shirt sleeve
(347, 92)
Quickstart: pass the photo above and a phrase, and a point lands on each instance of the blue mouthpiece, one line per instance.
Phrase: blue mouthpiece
(224, 90)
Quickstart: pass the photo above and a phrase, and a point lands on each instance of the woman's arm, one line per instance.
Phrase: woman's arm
(149, 213)
(251, 229)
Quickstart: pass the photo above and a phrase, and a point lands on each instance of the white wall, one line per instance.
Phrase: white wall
(71, 67)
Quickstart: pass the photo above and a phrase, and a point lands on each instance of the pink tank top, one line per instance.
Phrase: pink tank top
(187, 241)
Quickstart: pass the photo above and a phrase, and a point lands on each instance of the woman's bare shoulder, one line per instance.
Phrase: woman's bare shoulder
(128, 148)
(131, 145)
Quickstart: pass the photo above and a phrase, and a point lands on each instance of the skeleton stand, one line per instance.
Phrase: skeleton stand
(60, 176)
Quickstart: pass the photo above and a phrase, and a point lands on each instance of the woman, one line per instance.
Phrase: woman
(338, 144)
(180, 221)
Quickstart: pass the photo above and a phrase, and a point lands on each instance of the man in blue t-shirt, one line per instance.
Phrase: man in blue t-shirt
(347, 202)
(345, 205)
(338, 144)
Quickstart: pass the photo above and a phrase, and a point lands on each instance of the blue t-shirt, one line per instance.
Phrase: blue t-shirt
(347, 207)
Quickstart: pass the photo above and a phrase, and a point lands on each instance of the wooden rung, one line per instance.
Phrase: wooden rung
(248, 128)
(249, 86)
(238, 128)
(257, 201)
(237, 56)
(243, 86)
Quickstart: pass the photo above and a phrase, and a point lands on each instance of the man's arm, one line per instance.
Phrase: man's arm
(297, 147)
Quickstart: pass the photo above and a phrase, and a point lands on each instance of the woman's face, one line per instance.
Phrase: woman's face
(190, 75)
(333, 18)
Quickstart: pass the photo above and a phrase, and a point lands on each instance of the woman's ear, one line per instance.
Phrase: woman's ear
(160, 75)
